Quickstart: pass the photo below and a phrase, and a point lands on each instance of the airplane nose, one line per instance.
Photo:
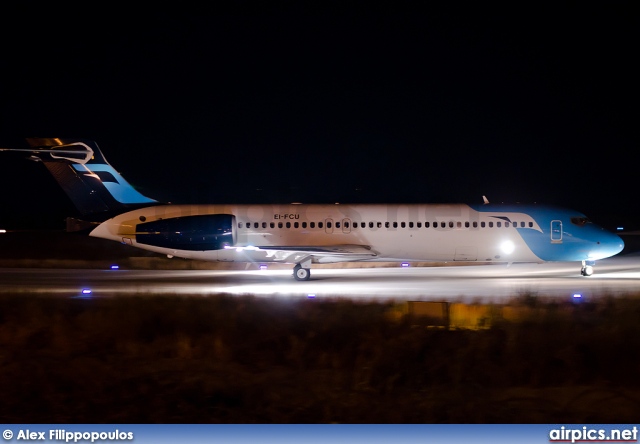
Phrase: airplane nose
(608, 244)
(620, 243)
(612, 245)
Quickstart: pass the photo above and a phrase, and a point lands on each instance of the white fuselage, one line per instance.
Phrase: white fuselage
(412, 232)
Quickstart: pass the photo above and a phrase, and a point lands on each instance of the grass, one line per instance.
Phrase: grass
(222, 359)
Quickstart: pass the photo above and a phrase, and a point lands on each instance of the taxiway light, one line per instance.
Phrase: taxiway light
(405, 264)
(86, 291)
(115, 267)
(263, 267)
(577, 296)
(311, 295)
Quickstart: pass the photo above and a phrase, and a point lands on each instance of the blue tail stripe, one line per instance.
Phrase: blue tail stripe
(121, 190)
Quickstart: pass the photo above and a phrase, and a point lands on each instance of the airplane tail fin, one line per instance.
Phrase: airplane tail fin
(96, 189)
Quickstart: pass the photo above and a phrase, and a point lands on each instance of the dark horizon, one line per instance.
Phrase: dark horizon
(381, 105)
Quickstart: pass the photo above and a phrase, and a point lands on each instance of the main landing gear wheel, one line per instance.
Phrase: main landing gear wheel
(301, 274)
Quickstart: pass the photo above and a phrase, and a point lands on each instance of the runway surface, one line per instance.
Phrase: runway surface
(612, 277)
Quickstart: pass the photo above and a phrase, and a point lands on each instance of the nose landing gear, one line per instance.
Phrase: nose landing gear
(587, 268)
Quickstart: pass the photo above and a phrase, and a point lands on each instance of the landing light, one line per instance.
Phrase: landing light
(507, 247)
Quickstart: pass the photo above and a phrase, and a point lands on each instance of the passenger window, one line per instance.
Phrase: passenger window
(475, 224)
(419, 224)
(272, 225)
(530, 224)
(490, 224)
(483, 224)
(328, 224)
(320, 225)
(466, 224)
(499, 224)
(451, 224)
(279, 224)
(426, 224)
(312, 224)
(264, 225)
(304, 225)
(459, 224)
(403, 225)
(410, 224)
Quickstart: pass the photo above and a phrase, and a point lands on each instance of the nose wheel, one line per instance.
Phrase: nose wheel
(587, 268)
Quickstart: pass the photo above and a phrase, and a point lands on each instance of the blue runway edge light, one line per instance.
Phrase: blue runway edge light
(86, 291)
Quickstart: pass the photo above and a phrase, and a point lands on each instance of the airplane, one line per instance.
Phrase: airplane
(306, 234)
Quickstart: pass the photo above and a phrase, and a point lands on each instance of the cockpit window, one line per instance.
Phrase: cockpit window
(579, 221)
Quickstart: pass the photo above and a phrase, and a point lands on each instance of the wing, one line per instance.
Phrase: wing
(323, 254)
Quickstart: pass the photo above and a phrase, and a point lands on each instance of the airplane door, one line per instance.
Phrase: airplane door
(556, 231)
(346, 226)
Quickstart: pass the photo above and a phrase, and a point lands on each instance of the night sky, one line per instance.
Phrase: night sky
(339, 102)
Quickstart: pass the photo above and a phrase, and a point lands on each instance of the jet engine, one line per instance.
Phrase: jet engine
(193, 233)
